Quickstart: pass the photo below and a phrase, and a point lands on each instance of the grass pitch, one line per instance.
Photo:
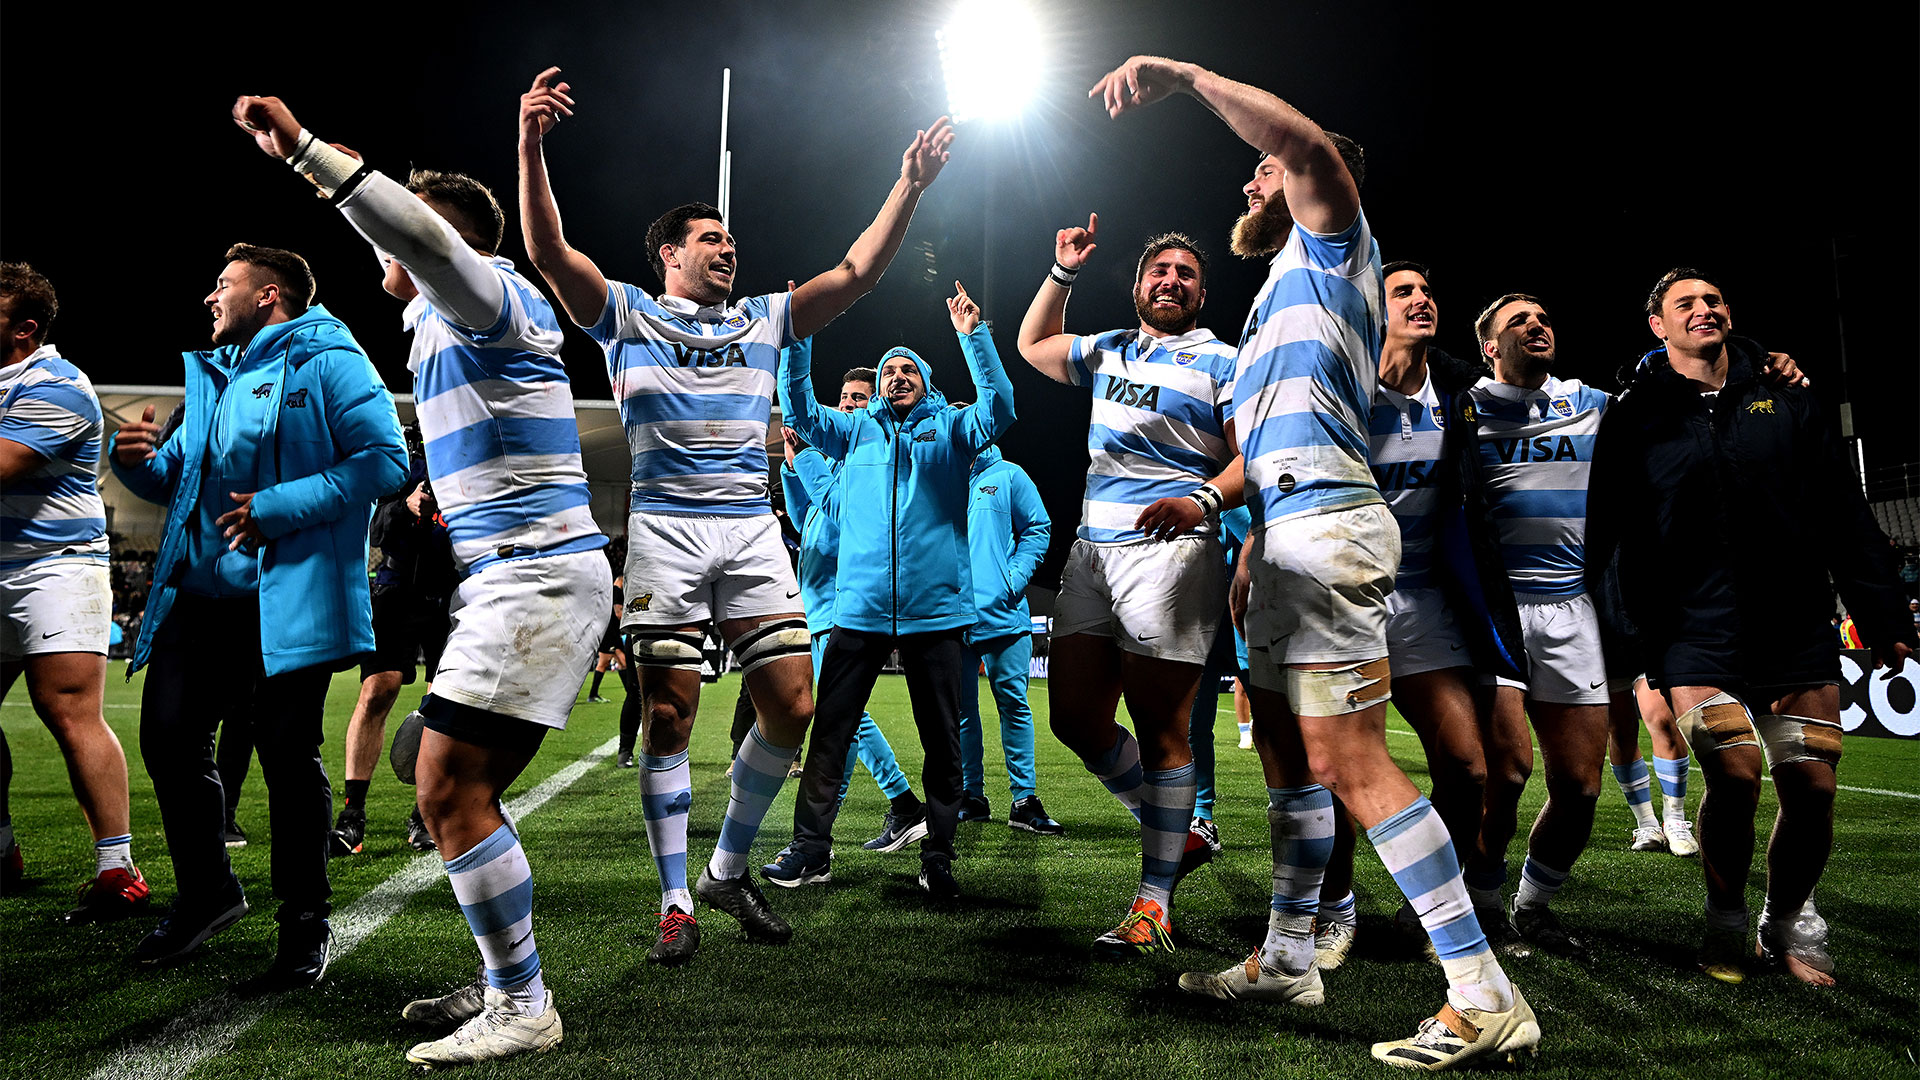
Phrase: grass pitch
(877, 984)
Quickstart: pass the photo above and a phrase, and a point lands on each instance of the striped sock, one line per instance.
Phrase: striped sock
(1637, 786)
(113, 853)
(1166, 809)
(1673, 785)
(1414, 845)
(1300, 821)
(666, 791)
(494, 886)
(1538, 883)
(758, 771)
(1343, 910)
(1119, 769)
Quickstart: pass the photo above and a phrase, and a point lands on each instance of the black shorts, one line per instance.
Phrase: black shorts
(480, 727)
(610, 640)
(405, 625)
(1808, 659)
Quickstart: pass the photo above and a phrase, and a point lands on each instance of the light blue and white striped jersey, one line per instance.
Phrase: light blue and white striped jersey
(695, 386)
(496, 415)
(1406, 436)
(53, 512)
(1309, 360)
(1536, 453)
(1160, 409)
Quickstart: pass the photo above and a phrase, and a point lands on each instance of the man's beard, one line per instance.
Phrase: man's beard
(1166, 320)
(1260, 232)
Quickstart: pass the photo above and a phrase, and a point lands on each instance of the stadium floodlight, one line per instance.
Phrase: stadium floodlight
(990, 54)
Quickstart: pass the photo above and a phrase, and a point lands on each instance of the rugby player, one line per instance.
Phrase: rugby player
(536, 589)
(694, 376)
(1145, 582)
(1312, 581)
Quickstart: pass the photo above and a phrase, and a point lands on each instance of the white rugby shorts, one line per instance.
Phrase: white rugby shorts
(1565, 665)
(524, 635)
(1320, 585)
(56, 606)
(1421, 633)
(684, 569)
(1153, 598)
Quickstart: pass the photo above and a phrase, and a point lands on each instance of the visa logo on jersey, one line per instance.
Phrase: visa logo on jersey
(1543, 448)
(1132, 394)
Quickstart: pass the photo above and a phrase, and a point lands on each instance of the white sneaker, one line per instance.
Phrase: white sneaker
(456, 1008)
(1246, 740)
(1450, 1038)
(1680, 839)
(1332, 941)
(1649, 838)
(499, 1031)
(1250, 981)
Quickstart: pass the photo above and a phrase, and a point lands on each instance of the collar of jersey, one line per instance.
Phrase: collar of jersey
(1387, 394)
(1199, 335)
(687, 309)
(1509, 392)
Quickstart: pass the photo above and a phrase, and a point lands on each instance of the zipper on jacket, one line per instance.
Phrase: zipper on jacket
(893, 531)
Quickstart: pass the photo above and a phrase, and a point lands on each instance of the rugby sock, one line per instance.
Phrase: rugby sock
(1166, 808)
(1637, 786)
(356, 794)
(110, 853)
(1342, 910)
(666, 791)
(1300, 821)
(1731, 921)
(595, 690)
(758, 771)
(1414, 845)
(6, 834)
(1538, 883)
(1119, 769)
(494, 886)
(1483, 886)
(1673, 785)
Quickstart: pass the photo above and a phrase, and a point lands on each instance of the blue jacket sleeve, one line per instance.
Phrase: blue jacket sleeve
(991, 413)
(366, 433)
(1032, 530)
(826, 430)
(795, 491)
(154, 479)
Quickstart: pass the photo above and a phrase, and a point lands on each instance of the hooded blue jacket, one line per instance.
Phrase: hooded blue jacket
(811, 488)
(904, 561)
(1007, 531)
(332, 442)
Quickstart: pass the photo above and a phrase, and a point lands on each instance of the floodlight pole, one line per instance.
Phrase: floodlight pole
(726, 156)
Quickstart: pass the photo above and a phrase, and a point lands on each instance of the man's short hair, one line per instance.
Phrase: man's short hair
(1352, 153)
(671, 228)
(1398, 265)
(1172, 241)
(861, 374)
(470, 206)
(1668, 280)
(1483, 326)
(287, 270)
(29, 295)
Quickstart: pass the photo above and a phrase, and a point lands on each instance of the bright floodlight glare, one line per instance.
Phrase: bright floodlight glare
(990, 54)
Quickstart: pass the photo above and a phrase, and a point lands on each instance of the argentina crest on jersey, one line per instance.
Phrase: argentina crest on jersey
(1185, 359)
(1562, 407)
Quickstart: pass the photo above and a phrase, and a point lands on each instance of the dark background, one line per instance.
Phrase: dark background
(1575, 155)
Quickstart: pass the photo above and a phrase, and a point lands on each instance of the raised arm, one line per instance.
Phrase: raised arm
(457, 281)
(1044, 342)
(575, 279)
(826, 430)
(991, 413)
(821, 300)
(1321, 195)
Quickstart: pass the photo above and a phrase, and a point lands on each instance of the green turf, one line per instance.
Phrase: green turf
(875, 984)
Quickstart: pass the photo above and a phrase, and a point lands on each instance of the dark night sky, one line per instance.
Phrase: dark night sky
(1572, 155)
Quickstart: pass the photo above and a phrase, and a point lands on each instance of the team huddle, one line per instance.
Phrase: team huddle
(1332, 509)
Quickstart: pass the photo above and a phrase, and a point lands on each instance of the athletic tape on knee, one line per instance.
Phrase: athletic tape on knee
(764, 644)
(1338, 691)
(1788, 739)
(665, 649)
(1717, 723)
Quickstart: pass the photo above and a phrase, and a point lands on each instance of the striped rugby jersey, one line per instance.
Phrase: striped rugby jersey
(1536, 453)
(53, 512)
(1160, 409)
(1406, 436)
(1309, 360)
(695, 386)
(496, 415)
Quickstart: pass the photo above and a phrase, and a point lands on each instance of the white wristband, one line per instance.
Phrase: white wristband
(328, 167)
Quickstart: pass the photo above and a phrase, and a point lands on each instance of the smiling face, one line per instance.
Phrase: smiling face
(1521, 343)
(1412, 314)
(241, 302)
(701, 267)
(1168, 296)
(901, 384)
(1694, 319)
(1264, 226)
(854, 395)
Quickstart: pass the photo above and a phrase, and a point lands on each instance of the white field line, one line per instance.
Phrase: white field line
(1696, 768)
(212, 1026)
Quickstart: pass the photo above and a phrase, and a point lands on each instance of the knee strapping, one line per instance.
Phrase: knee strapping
(677, 650)
(764, 644)
(1717, 723)
(1338, 691)
(1790, 739)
